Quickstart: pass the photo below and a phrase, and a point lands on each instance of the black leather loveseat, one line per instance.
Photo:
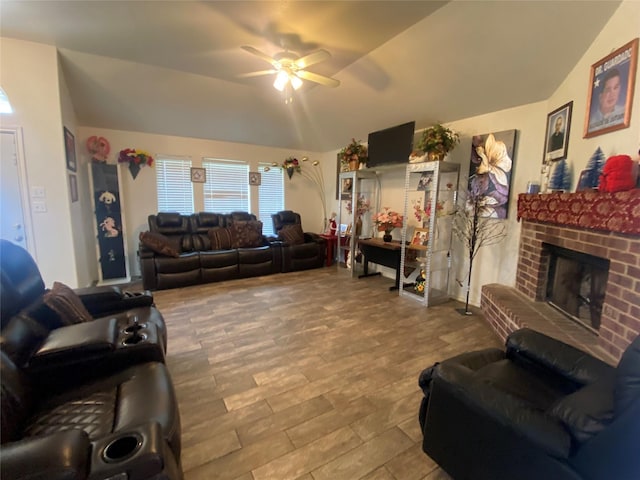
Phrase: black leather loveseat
(205, 247)
(82, 398)
(539, 410)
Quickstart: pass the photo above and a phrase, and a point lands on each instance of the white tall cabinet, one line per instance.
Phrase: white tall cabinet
(430, 195)
(354, 185)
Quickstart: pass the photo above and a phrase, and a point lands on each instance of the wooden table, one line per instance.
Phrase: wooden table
(387, 254)
(332, 242)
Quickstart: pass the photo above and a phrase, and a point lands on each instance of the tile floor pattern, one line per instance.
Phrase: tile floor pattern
(307, 375)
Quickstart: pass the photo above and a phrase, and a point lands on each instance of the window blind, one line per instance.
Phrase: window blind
(174, 187)
(270, 196)
(227, 187)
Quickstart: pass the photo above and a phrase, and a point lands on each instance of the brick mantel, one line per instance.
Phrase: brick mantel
(580, 222)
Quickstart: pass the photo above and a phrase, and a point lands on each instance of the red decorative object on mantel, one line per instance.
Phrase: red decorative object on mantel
(613, 212)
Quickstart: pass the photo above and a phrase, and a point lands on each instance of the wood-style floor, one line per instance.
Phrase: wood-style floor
(307, 375)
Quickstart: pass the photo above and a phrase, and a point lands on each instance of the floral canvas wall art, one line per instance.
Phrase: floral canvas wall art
(490, 167)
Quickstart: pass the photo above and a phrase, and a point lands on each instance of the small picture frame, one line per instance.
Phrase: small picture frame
(255, 178)
(556, 140)
(73, 188)
(424, 184)
(198, 175)
(420, 238)
(610, 93)
(70, 150)
(584, 181)
(347, 186)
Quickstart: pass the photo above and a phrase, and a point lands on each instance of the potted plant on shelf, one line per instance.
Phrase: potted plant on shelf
(435, 143)
(353, 155)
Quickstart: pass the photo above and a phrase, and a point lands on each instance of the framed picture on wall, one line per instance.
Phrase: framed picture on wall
(610, 94)
(70, 150)
(73, 188)
(255, 178)
(198, 175)
(556, 140)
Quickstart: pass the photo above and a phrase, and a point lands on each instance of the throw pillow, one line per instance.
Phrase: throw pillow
(159, 244)
(246, 234)
(221, 238)
(292, 234)
(64, 301)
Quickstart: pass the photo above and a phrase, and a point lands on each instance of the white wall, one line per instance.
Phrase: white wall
(29, 76)
(623, 27)
(139, 195)
(86, 268)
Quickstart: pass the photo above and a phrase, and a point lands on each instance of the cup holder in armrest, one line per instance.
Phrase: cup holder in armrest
(135, 328)
(122, 448)
(134, 339)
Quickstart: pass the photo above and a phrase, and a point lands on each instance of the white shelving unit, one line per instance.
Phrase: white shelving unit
(426, 242)
(362, 183)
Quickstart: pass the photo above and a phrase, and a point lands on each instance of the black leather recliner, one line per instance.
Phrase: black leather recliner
(124, 422)
(22, 290)
(539, 410)
(303, 256)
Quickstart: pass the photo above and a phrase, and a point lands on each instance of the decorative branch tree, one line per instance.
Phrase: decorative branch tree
(475, 231)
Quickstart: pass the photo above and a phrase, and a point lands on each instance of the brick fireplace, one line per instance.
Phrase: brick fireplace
(599, 224)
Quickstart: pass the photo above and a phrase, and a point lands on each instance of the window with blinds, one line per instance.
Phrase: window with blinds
(175, 190)
(270, 196)
(227, 187)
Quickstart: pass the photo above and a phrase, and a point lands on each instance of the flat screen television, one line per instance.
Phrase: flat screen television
(391, 146)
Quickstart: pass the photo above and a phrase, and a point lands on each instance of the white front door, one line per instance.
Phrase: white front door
(12, 224)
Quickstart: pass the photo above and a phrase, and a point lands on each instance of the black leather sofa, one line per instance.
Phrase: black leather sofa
(539, 410)
(197, 262)
(302, 250)
(90, 400)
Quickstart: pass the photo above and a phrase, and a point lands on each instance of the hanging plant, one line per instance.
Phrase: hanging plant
(136, 160)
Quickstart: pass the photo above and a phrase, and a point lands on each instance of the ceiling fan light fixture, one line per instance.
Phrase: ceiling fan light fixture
(281, 80)
(296, 82)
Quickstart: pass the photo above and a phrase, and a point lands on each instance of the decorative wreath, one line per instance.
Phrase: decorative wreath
(99, 148)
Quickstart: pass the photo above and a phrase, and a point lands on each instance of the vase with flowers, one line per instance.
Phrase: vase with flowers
(353, 155)
(437, 141)
(291, 165)
(363, 205)
(136, 159)
(386, 221)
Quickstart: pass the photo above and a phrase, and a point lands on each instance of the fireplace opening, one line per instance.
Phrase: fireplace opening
(576, 284)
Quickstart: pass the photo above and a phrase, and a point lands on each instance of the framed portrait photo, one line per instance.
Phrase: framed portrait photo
(556, 140)
(420, 238)
(610, 94)
(198, 175)
(70, 150)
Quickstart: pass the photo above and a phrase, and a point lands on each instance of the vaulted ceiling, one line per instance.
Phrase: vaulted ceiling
(173, 67)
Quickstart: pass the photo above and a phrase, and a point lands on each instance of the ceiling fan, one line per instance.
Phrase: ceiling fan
(290, 68)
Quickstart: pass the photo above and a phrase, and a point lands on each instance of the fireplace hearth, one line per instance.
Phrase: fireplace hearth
(602, 225)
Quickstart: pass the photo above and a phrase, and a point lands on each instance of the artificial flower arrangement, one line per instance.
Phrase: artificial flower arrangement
(291, 165)
(136, 159)
(363, 205)
(387, 220)
(139, 157)
(425, 213)
(355, 153)
(438, 140)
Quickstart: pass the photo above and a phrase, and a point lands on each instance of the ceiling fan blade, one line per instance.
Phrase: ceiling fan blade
(259, 54)
(312, 58)
(257, 74)
(321, 79)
